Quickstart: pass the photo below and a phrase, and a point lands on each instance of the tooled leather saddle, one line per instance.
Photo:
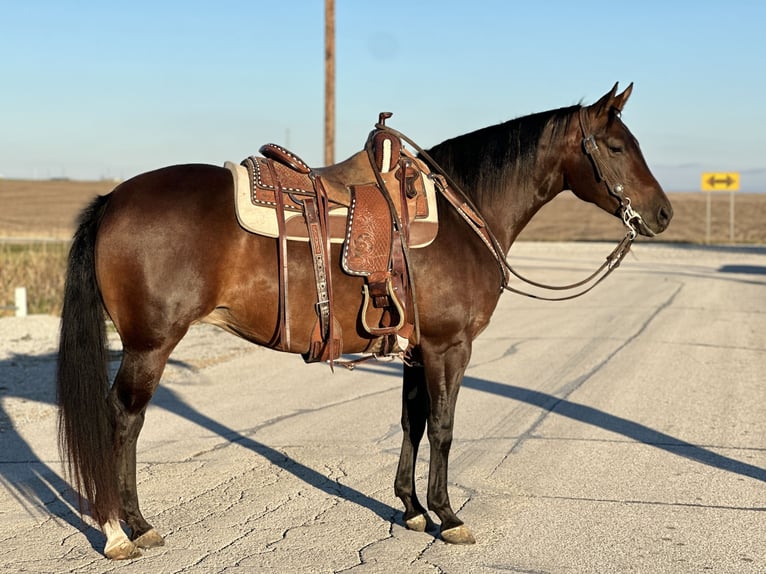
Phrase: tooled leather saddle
(379, 203)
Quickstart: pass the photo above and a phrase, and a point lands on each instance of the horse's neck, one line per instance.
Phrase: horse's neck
(509, 195)
(512, 204)
(521, 203)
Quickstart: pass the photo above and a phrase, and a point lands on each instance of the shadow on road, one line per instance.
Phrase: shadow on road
(31, 482)
(744, 269)
(39, 489)
(632, 430)
(595, 417)
(169, 400)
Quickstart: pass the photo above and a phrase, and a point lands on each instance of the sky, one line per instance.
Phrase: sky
(98, 89)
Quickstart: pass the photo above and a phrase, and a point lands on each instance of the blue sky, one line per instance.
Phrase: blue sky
(110, 89)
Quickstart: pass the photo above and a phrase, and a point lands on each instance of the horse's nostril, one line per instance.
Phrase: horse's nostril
(664, 215)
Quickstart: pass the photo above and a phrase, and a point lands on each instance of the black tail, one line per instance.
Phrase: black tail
(85, 428)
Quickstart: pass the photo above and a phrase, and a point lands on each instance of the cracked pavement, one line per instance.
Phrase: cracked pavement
(620, 432)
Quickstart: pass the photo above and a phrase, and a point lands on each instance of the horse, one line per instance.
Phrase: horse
(164, 250)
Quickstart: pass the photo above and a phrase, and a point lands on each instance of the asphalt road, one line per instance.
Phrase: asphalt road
(621, 432)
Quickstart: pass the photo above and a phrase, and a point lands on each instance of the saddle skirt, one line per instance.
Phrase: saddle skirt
(258, 179)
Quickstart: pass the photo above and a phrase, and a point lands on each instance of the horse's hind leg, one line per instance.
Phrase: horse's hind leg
(134, 385)
(415, 405)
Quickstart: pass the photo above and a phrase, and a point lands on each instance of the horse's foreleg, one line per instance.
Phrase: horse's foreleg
(414, 415)
(444, 373)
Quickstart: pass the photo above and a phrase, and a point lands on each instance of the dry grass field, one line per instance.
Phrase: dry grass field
(37, 216)
(569, 219)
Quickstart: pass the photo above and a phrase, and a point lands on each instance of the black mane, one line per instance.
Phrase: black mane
(486, 158)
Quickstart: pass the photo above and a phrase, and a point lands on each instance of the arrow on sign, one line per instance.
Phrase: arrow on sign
(713, 181)
(720, 181)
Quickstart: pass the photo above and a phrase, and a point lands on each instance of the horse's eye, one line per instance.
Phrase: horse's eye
(615, 147)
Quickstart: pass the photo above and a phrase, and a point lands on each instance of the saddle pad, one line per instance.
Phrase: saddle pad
(254, 204)
(261, 218)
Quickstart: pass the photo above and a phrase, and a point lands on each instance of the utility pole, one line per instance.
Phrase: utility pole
(329, 82)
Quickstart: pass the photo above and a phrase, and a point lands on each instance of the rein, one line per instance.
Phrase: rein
(468, 211)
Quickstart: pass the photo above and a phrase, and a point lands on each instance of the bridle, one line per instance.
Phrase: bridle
(607, 175)
(468, 211)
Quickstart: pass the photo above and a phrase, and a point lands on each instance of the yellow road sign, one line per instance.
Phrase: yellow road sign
(720, 181)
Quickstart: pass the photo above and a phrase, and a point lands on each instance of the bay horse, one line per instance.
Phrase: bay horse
(164, 250)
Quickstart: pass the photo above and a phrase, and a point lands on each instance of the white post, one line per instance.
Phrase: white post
(20, 297)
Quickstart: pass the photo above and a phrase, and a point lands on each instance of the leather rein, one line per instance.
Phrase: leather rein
(468, 211)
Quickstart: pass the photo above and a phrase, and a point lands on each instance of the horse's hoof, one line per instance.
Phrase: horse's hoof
(149, 539)
(419, 523)
(458, 535)
(125, 550)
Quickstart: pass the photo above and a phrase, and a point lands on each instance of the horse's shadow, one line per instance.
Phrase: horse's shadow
(169, 400)
(32, 483)
(39, 488)
(619, 425)
(35, 484)
(627, 428)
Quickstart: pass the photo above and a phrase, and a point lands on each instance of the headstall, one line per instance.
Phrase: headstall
(468, 211)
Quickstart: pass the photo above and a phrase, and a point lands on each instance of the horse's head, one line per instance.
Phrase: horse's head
(606, 167)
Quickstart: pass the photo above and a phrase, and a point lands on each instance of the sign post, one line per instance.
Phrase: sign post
(720, 181)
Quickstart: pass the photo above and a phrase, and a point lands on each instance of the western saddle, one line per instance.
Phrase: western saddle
(379, 203)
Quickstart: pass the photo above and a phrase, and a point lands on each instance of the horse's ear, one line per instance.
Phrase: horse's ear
(610, 101)
(602, 106)
(619, 101)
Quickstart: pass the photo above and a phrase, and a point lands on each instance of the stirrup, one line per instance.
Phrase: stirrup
(378, 331)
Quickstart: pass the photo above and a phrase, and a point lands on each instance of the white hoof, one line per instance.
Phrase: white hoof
(458, 535)
(149, 539)
(124, 550)
(118, 547)
(418, 523)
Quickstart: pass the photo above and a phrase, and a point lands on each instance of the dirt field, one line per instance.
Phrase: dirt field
(44, 209)
(569, 219)
(48, 210)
